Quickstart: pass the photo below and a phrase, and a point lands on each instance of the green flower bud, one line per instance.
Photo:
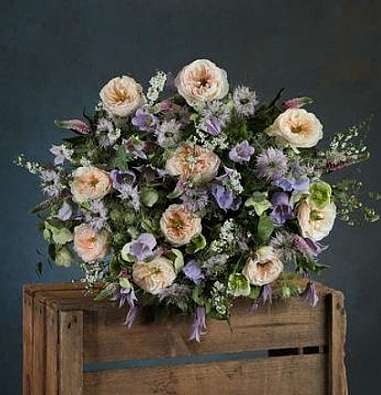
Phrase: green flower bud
(238, 285)
(63, 257)
(320, 194)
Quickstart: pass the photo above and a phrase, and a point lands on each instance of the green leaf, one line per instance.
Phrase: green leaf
(175, 193)
(124, 283)
(265, 228)
(121, 158)
(149, 197)
(259, 202)
(254, 292)
(178, 261)
(105, 293)
(63, 257)
(198, 243)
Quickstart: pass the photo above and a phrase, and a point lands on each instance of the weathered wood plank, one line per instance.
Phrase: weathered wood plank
(39, 349)
(52, 344)
(294, 375)
(337, 333)
(291, 324)
(27, 343)
(70, 352)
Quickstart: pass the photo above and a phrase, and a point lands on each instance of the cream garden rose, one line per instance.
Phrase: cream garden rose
(297, 128)
(89, 244)
(122, 96)
(264, 268)
(90, 183)
(202, 81)
(192, 162)
(316, 223)
(179, 225)
(155, 275)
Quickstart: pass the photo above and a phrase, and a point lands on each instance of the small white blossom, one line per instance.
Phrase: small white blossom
(157, 83)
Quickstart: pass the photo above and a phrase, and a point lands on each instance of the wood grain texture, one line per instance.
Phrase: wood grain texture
(39, 349)
(337, 334)
(291, 324)
(52, 348)
(27, 343)
(70, 353)
(294, 375)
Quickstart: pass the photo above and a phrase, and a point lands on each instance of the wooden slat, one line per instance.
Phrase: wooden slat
(39, 349)
(337, 332)
(291, 324)
(27, 343)
(294, 375)
(52, 344)
(71, 352)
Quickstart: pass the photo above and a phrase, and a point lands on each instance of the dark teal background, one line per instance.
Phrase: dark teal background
(55, 56)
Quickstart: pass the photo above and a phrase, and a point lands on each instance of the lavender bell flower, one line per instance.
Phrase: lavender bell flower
(213, 126)
(311, 294)
(193, 271)
(144, 121)
(289, 184)
(225, 198)
(282, 211)
(242, 152)
(65, 212)
(76, 125)
(308, 247)
(264, 297)
(199, 324)
(142, 247)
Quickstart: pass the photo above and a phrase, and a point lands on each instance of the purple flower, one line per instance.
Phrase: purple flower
(289, 184)
(76, 125)
(123, 296)
(264, 297)
(272, 164)
(241, 152)
(143, 120)
(142, 247)
(199, 324)
(213, 126)
(123, 183)
(194, 199)
(135, 147)
(193, 271)
(244, 101)
(297, 102)
(61, 153)
(310, 294)
(225, 198)
(282, 211)
(65, 212)
(308, 247)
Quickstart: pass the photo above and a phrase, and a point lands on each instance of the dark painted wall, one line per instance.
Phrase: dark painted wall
(55, 55)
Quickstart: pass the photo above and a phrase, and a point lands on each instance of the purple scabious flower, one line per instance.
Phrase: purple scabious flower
(272, 164)
(195, 199)
(199, 324)
(242, 152)
(214, 117)
(61, 153)
(244, 100)
(193, 271)
(225, 198)
(142, 247)
(310, 294)
(135, 147)
(123, 183)
(144, 120)
(308, 247)
(282, 210)
(168, 133)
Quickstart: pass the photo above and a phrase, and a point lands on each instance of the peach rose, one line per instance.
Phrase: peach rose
(297, 128)
(89, 244)
(264, 268)
(90, 183)
(202, 81)
(121, 96)
(155, 275)
(192, 162)
(316, 223)
(179, 225)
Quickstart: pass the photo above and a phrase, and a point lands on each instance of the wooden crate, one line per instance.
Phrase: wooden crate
(71, 344)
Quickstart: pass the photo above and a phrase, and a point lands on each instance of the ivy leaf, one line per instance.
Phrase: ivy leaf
(121, 159)
(265, 228)
(105, 293)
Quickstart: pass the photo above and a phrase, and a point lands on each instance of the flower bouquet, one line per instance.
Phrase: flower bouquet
(192, 195)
